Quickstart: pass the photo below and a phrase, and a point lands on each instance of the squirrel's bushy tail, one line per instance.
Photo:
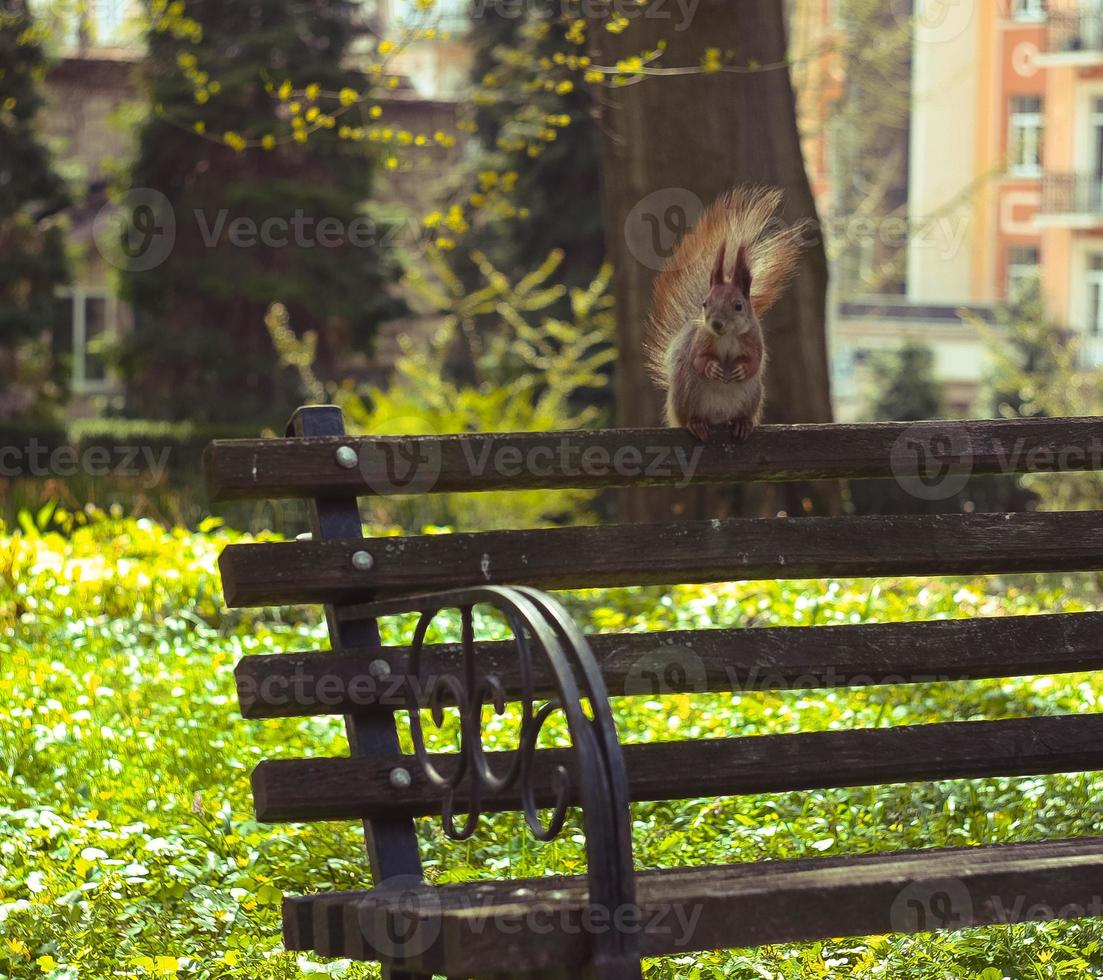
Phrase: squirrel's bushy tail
(744, 216)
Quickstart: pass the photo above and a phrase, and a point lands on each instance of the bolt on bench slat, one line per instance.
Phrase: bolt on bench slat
(696, 661)
(591, 459)
(738, 549)
(335, 789)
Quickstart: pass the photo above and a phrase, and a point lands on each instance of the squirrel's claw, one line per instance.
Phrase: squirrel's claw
(714, 372)
(742, 429)
(698, 427)
(738, 373)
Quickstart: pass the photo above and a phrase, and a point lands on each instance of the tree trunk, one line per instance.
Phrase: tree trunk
(670, 146)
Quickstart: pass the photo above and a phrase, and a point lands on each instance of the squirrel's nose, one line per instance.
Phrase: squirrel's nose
(717, 326)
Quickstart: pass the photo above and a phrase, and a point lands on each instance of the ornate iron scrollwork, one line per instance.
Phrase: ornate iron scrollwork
(596, 776)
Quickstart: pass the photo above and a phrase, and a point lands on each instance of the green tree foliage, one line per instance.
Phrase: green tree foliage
(1041, 369)
(537, 142)
(219, 75)
(1034, 361)
(868, 133)
(533, 372)
(32, 254)
(903, 385)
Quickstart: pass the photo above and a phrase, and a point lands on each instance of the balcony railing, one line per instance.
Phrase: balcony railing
(1074, 31)
(1072, 194)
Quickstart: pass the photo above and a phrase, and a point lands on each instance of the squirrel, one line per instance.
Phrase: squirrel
(704, 341)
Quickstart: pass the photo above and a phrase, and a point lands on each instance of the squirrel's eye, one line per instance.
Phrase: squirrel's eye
(738, 307)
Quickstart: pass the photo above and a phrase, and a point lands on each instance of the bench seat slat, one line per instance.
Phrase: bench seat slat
(687, 661)
(472, 928)
(663, 554)
(279, 468)
(344, 788)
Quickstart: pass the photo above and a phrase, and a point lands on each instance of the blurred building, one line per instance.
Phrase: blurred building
(94, 100)
(1005, 185)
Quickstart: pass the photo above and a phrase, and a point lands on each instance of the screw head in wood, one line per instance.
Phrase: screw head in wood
(379, 669)
(362, 561)
(401, 778)
(347, 457)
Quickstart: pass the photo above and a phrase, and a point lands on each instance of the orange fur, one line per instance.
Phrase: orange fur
(741, 217)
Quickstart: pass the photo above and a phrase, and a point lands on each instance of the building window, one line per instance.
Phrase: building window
(92, 316)
(1022, 268)
(446, 15)
(1025, 136)
(1031, 11)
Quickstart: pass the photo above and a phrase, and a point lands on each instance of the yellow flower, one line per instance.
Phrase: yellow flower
(312, 113)
(200, 127)
(295, 108)
(564, 88)
(285, 91)
(234, 140)
(312, 91)
(594, 77)
(375, 111)
(385, 47)
(712, 59)
(17, 947)
(268, 142)
(299, 136)
(348, 96)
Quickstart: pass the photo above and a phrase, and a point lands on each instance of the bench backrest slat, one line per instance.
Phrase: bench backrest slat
(280, 468)
(325, 789)
(695, 661)
(662, 554)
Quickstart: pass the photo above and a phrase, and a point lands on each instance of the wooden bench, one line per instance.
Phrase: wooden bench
(600, 924)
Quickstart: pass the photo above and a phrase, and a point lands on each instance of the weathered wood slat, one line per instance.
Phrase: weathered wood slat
(328, 789)
(662, 554)
(471, 929)
(274, 468)
(696, 661)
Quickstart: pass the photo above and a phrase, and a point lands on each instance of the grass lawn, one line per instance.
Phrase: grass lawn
(128, 846)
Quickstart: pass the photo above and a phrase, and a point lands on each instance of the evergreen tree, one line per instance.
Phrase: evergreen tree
(32, 253)
(537, 130)
(226, 71)
(904, 387)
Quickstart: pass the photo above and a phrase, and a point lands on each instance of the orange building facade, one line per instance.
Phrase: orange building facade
(1007, 158)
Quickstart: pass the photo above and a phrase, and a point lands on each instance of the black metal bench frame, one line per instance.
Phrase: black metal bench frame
(601, 925)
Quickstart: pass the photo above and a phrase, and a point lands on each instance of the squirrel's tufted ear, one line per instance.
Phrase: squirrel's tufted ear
(742, 275)
(717, 277)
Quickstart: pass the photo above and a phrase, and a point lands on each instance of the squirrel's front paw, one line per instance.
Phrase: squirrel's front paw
(714, 372)
(698, 427)
(738, 373)
(742, 429)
